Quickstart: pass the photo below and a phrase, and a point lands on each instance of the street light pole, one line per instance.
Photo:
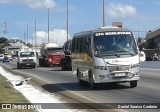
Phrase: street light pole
(67, 20)
(103, 13)
(27, 33)
(24, 36)
(36, 34)
(48, 24)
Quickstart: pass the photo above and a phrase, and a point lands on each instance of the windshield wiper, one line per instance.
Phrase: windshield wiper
(109, 53)
(127, 52)
(115, 53)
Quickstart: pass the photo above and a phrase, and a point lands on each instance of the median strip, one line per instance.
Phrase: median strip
(9, 95)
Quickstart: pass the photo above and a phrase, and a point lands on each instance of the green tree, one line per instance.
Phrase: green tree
(3, 40)
(3, 43)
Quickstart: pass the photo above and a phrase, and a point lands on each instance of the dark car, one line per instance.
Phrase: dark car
(5, 59)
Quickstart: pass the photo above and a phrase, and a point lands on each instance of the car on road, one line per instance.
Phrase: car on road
(8, 55)
(26, 59)
(5, 59)
(1, 57)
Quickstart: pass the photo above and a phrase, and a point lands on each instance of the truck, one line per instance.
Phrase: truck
(66, 61)
(51, 54)
(26, 58)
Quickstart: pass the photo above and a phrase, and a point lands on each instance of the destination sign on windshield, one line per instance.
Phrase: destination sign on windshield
(112, 33)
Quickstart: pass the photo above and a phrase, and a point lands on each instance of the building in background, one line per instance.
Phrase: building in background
(153, 39)
(14, 46)
(153, 44)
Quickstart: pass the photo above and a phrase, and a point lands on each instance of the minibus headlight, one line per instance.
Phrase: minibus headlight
(130, 75)
(135, 65)
(100, 67)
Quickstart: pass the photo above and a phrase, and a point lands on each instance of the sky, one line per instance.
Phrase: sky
(139, 16)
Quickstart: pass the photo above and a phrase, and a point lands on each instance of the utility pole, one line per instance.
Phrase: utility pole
(48, 24)
(24, 36)
(48, 9)
(67, 20)
(104, 13)
(36, 34)
(27, 33)
(5, 31)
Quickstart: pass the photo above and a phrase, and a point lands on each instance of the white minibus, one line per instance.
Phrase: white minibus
(108, 54)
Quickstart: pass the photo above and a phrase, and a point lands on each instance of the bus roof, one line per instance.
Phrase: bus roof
(103, 29)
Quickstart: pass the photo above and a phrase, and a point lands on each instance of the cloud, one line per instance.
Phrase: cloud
(57, 36)
(35, 4)
(120, 11)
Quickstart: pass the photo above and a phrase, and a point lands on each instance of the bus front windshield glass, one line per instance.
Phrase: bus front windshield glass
(27, 54)
(114, 44)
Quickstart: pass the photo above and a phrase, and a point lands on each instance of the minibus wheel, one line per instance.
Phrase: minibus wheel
(133, 84)
(79, 78)
(34, 66)
(91, 81)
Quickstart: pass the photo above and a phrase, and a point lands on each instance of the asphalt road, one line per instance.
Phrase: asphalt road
(151, 64)
(147, 91)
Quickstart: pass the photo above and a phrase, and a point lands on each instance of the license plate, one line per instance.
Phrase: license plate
(27, 64)
(120, 74)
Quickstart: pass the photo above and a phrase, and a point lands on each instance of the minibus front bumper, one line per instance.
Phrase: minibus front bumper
(118, 76)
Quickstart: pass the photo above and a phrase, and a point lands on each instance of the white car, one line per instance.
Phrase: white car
(1, 57)
(26, 58)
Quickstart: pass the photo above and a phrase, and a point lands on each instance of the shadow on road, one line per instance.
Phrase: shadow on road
(75, 87)
(59, 70)
(22, 68)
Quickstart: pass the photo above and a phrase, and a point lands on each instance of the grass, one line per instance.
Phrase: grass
(9, 95)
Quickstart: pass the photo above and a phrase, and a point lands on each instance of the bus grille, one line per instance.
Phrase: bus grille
(118, 68)
(27, 60)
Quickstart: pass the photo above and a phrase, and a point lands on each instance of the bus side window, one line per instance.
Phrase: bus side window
(88, 46)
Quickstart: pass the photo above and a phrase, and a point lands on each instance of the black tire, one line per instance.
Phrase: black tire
(40, 63)
(133, 84)
(18, 66)
(63, 67)
(92, 85)
(34, 66)
(80, 82)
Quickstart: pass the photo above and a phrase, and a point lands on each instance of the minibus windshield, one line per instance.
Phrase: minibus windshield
(114, 44)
